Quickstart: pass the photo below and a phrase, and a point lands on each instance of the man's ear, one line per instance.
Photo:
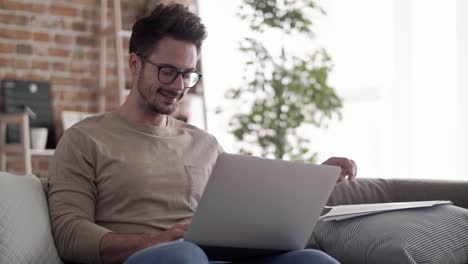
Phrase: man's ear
(134, 63)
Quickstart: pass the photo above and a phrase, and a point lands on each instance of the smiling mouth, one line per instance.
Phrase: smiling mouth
(170, 94)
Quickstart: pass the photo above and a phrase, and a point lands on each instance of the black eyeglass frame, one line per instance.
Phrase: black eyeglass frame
(159, 66)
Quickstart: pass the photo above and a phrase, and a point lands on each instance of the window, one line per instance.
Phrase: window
(401, 66)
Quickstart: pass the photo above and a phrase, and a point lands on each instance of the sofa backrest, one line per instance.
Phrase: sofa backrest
(25, 233)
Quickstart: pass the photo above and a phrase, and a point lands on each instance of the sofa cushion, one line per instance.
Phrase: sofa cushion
(25, 234)
(425, 235)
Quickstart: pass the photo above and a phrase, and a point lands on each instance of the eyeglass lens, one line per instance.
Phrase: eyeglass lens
(167, 74)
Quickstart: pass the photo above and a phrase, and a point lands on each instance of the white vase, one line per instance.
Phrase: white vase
(39, 137)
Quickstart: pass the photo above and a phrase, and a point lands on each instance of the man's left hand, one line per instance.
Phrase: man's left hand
(348, 167)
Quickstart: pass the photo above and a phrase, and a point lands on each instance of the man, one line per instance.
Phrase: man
(124, 185)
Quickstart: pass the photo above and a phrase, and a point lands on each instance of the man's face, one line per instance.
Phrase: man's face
(163, 98)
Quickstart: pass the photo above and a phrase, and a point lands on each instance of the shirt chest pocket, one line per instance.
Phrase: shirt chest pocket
(198, 178)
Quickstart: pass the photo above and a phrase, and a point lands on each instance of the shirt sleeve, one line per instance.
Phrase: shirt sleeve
(72, 199)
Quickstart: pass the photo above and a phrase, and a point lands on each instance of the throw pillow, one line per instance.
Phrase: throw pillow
(25, 234)
(425, 235)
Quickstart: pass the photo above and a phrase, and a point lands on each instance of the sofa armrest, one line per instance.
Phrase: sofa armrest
(421, 190)
(362, 191)
(366, 190)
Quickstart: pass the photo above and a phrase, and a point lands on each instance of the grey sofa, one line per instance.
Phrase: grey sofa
(25, 234)
(399, 190)
(431, 235)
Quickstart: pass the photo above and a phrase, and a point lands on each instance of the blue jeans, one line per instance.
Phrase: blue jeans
(189, 253)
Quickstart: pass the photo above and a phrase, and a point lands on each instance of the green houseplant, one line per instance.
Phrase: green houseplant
(282, 92)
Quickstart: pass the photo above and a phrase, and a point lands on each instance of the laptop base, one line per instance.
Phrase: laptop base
(238, 254)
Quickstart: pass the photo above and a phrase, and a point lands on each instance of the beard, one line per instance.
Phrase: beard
(150, 94)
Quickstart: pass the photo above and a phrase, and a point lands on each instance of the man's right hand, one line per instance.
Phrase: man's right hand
(175, 232)
(116, 248)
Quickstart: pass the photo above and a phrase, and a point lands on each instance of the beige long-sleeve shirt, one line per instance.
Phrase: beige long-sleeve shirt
(110, 175)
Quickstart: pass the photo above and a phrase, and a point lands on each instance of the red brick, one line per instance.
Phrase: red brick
(111, 95)
(40, 65)
(39, 8)
(43, 165)
(5, 62)
(55, 94)
(41, 36)
(88, 82)
(92, 55)
(86, 41)
(94, 28)
(56, 52)
(72, 96)
(9, 19)
(111, 71)
(41, 50)
(79, 26)
(15, 34)
(78, 54)
(63, 39)
(126, 44)
(22, 64)
(78, 68)
(112, 104)
(63, 10)
(93, 95)
(84, 96)
(83, 107)
(36, 77)
(92, 13)
(14, 165)
(91, 3)
(24, 49)
(54, 22)
(58, 66)
(65, 81)
(71, 106)
(10, 75)
(15, 6)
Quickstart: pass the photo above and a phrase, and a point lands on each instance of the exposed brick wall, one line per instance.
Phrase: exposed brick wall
(53, 41)
(58, 41)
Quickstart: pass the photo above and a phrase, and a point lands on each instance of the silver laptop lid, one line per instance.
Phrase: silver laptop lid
(258, 203)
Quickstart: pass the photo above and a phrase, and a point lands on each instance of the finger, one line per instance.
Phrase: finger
(331, 161)
(341, 178)
(344, 163)
(183, 226)
(175, 233)
(335, 161)
(186, 221)
(346, 166)
(354, 170)
(350, 168)
(343, 174)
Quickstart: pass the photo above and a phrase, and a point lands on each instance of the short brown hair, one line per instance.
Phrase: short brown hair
(173, 20)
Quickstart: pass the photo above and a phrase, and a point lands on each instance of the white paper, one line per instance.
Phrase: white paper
(342, 212)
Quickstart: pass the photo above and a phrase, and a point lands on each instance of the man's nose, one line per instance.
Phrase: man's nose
(178, 83)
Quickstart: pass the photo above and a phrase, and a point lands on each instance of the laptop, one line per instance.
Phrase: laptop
(255, 207)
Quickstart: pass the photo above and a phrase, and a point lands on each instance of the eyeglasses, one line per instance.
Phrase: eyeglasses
(167, 74)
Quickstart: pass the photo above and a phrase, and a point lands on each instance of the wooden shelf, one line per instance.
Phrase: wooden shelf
(125, 33)
(42, 152)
